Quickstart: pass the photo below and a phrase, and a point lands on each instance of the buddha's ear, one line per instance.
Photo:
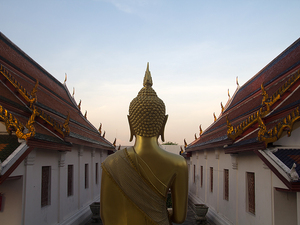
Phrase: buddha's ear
(132, 133)
(162, 131)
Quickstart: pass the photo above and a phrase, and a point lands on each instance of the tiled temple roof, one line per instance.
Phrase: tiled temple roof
(36, 107)
(289, 157)
(249, 116)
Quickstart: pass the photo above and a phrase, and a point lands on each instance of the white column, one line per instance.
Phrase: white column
(61, 184)
(80, 171)
(29, 191)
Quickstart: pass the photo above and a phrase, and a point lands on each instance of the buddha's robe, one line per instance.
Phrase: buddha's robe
(127, 198)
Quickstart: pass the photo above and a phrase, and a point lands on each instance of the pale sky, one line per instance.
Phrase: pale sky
(196, 49)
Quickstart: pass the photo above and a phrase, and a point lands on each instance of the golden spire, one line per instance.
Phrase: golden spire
(222, 107)
(65, 78)
(200, 130)
(148, 79)
(215, 118)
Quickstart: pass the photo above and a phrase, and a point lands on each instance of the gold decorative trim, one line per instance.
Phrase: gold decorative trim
(275, 133)
(267, 102)
(64, 129)
(30, 98)
(13, 124)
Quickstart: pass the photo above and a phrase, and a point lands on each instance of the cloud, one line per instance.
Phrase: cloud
(129, 6)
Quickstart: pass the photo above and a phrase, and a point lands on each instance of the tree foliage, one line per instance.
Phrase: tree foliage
(169, 143)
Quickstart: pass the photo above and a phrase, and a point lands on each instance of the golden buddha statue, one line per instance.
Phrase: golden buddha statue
(136, 180)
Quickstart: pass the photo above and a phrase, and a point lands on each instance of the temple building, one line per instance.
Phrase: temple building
(245, 166)
(51, 155)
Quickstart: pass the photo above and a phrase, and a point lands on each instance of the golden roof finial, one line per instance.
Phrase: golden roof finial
(181, 151)
(200, 130)
(222, 107)
(103, 135)
(215, 118)
(228, 93)
(237, 81)
(148, 79)
(100, 128)
(79, 105)
(185, 144)
(73, 92)
(119, 147)
(195, 136)
(85, 115)
(65, 78)
(114, 144)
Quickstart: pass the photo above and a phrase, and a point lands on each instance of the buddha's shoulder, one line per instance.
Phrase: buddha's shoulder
(174, 159)
(114, 156)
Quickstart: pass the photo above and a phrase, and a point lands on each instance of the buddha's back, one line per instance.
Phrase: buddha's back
(135, 181)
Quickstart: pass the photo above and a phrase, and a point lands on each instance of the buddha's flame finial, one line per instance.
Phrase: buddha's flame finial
(148, 79)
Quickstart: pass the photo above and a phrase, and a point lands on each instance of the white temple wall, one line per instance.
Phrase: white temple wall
(11, 212)
(235, 209)
(22, 203)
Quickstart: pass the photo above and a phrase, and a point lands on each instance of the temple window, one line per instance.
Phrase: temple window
(211, 179)
(226, 184)
(70, 179)
(96, 173)
(86, 176)
(46, 186)
(194, 173)
(201, 176)
(251, 192)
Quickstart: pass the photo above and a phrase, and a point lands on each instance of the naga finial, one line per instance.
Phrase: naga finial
(66, 77)
(200, 128)
(147, 79)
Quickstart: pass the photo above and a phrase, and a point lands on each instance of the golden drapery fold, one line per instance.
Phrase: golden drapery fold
(139, 190)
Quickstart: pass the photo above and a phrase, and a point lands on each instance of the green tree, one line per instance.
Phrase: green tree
(169, 143)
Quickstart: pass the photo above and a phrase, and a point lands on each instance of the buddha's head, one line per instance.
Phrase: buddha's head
(147, 112)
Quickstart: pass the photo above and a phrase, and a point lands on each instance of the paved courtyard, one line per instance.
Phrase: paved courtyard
(190, 220)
